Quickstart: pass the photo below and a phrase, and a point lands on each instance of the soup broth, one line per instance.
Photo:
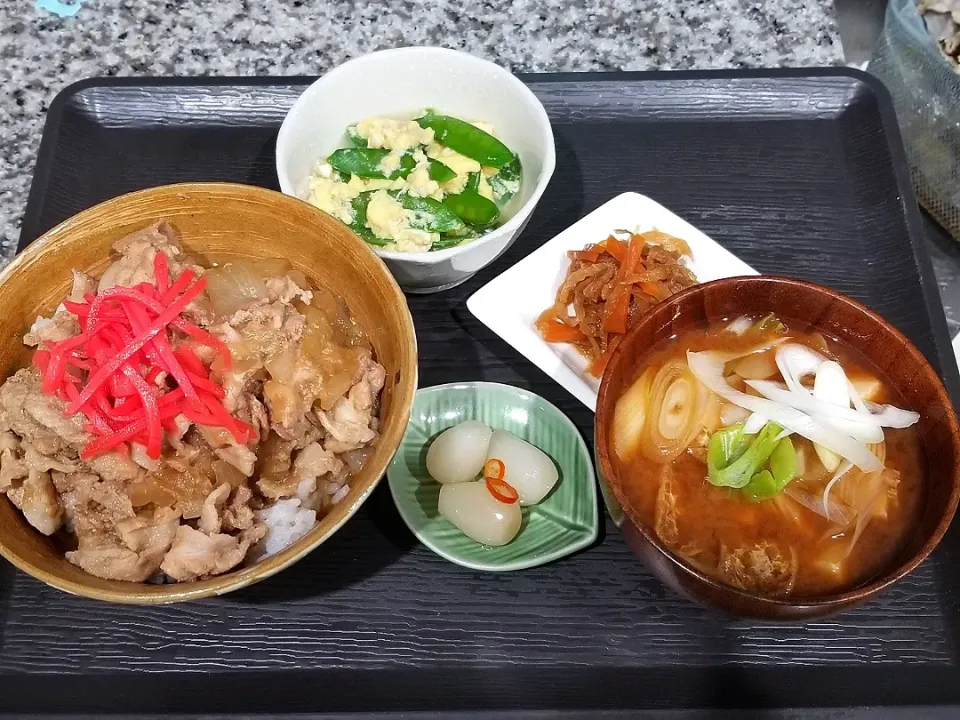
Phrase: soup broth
(801, 539)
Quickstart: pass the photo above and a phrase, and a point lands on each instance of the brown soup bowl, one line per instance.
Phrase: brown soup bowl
(224, 222)
(805, 306)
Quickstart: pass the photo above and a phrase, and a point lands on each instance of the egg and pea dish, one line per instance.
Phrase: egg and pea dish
(417, 185)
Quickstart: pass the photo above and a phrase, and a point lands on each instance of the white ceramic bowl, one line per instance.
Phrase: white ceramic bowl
(401, 83)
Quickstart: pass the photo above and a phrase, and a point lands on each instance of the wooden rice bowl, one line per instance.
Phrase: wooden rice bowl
(224, 221)
(805, 306)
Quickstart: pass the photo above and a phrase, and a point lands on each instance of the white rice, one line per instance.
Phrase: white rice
(306, 488)
(289, 520)
(286, 522)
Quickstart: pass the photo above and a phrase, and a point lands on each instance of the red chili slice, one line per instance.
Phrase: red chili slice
(502, 491)
(494, 469)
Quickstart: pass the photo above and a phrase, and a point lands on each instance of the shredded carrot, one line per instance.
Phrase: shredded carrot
(617, 248)
(615, 312)
(608, 286)
(618, 305)
(651, 289)
(555, 331)
(597, 367)
(591, 253)
(631, 260)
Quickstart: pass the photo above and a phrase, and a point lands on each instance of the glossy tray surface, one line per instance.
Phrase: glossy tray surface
(797, 172)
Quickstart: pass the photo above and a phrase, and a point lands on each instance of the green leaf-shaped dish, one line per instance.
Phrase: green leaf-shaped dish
(566, 521)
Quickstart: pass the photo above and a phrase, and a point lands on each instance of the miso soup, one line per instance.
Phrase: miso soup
(773, 460)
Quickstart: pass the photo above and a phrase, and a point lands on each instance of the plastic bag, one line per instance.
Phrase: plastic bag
(926, 96)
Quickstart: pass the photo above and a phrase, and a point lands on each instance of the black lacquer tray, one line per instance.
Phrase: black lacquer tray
(798, 172)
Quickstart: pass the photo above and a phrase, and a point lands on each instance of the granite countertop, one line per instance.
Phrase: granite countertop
(41, 53)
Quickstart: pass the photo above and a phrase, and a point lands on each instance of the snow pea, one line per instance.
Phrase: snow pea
(506, 182)
(365, 163)
(359, 224)
(473, 208)
(355, 137)
(440, 172)
(429, 214)
(467, 139)
(473, 182)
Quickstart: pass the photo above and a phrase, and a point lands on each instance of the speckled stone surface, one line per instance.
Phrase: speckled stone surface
(40, 53)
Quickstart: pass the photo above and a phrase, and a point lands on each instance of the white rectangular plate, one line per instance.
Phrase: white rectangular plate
(510, 303)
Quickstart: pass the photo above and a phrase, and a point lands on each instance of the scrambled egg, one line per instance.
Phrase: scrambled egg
(419, 182)
(385, 216)
(359, 184)
(332, 196)
(388, 219)
(460, 164)
(390, 164)
(393, 134)
(483, 187)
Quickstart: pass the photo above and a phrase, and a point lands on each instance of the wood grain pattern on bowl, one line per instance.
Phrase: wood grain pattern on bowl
(805, 306)
(222, 221)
